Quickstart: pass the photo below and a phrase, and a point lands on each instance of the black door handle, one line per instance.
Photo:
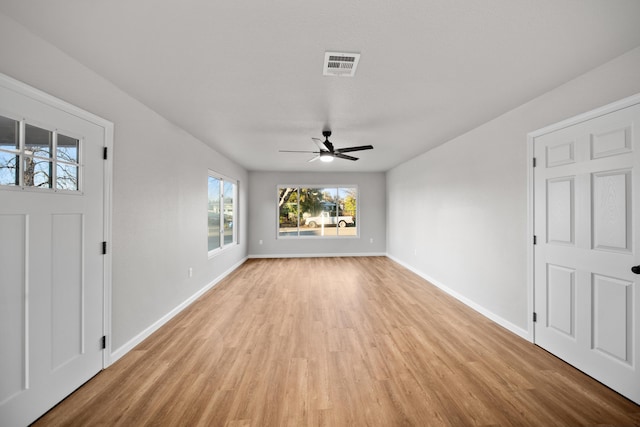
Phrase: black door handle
(636, 269)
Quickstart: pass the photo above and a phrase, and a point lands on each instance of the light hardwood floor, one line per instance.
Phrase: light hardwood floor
(337, 342)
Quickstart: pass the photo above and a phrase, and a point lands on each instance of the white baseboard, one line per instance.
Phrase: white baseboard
(523, 333)
(322, 255)
(127, 347)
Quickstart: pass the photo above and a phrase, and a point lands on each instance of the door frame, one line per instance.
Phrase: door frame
(50, 100)
(589, 115)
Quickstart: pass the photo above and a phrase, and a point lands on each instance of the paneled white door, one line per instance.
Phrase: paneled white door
(587, 226)
(51, 262)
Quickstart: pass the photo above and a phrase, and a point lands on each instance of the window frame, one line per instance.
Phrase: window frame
(300, 219)
(234, 215)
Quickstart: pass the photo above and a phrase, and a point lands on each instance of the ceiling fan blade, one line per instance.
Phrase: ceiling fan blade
(320, 144)
(314, 159)
(344, 156)
(358, 148)
(296, 151)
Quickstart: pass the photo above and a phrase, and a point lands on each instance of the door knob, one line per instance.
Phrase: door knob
(636, 269)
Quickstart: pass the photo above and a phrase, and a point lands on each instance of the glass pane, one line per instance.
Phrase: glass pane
(67, 177)
(347, 211)
(214, 213)
(8, 169)
(288, 207)
(229, 195)
(37, 173)
(38, 141)
(318, 206)
(67, 149)
(9, 131)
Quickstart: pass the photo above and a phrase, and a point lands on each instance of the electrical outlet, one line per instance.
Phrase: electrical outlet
(371, 240)
(190, 272)
(260, 242)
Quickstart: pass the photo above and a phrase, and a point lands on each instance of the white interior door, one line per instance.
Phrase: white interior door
(51, 262)
(587, 224)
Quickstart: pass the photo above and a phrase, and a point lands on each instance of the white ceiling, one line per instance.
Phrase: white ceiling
(246, 77)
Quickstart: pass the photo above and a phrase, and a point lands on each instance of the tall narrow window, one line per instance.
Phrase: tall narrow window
(317, 211)
(222, 212)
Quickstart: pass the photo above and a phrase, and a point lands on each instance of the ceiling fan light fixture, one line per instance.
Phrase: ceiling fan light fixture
(326, 157)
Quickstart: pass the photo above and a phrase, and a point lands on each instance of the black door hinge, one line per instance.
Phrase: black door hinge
(534, 162)
(535, 240)
(104, 153)
(104, 248)
(535, 316)
(104, 342)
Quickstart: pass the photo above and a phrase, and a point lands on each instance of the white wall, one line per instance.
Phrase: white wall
(159, 183)
(458, 214)
(263, 215)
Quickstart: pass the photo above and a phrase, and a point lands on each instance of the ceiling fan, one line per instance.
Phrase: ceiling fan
(327, 152)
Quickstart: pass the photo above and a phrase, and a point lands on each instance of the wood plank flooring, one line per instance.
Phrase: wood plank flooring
(337, 342)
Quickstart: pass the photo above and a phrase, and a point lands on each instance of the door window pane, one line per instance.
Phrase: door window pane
(9, 146)
(67, 177)
(37, 172)
(9, 131)
(8, 168)
(67, 149)
(37, 141)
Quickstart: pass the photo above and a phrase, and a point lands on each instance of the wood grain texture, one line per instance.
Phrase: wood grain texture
(337, 342)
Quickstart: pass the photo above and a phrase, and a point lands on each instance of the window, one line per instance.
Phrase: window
(317, 211)
(222, 209)
(34, 157)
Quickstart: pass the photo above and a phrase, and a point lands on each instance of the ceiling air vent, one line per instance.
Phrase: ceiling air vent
(340, 64)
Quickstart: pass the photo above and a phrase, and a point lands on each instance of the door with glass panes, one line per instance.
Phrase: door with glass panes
(51, 253)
